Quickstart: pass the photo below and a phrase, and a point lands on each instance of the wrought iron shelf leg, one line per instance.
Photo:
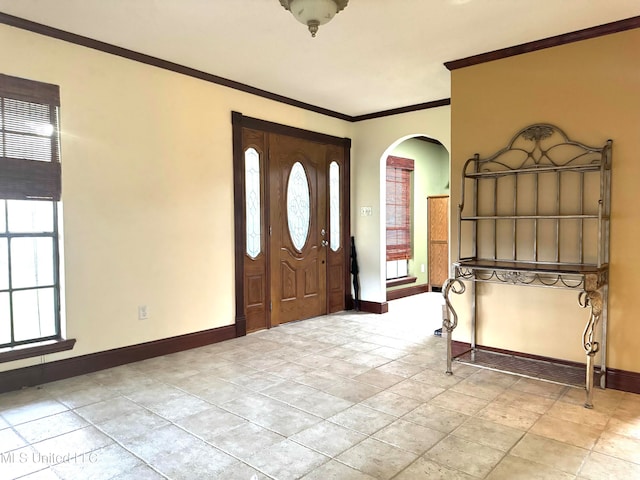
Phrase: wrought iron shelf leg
(448, 325)
(593, 301)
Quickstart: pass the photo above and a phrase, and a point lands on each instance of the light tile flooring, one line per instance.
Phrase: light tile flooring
(344, 397)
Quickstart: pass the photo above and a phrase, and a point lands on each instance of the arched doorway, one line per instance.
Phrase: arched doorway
(414, 190)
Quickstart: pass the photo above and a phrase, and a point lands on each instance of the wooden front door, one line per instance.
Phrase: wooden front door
(291, 198)
(299, 242)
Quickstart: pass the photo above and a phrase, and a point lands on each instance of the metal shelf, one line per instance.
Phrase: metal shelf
(549, 173)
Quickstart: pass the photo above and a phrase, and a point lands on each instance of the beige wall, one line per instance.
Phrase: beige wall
(147, 191)
(373, 140)
(590, 89)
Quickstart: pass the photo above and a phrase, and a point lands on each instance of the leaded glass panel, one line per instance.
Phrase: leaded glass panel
(298, 206)
(252, 187)
(334, 206)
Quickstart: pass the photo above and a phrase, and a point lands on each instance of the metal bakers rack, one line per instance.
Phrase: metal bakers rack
(537, 213)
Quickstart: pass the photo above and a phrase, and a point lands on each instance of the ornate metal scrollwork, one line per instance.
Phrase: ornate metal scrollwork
(593, 282)
(456, 286)
(593, 301)
(516, 277)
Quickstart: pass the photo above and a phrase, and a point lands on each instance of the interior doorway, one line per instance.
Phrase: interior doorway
(291, 223)
(418, 167)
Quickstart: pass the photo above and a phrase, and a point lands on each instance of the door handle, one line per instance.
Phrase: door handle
(324, 243)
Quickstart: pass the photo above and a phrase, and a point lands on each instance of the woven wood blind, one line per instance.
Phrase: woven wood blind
(29, 140)
(399, 208)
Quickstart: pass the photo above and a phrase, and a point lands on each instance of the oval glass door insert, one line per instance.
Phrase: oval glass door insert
(298, 206)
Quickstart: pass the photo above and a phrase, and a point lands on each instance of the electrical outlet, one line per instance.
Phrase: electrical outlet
(143, 312)
(366, 211)
(422, 267)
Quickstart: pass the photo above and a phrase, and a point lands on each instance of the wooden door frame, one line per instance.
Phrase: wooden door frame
(239, 122)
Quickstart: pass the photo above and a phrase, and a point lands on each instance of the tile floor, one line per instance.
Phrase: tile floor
(345, 397)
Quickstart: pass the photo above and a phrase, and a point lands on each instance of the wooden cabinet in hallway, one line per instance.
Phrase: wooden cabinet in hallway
(438, 226)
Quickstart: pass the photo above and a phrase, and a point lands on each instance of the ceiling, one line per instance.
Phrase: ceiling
(374, 56)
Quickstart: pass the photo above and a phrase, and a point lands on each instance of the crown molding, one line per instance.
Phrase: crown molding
(577, 36)
(407, 109)
(24, 24)
(104, 47)
(160, 63)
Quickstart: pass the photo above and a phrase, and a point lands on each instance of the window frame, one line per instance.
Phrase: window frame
(397, 267)
(33, 180)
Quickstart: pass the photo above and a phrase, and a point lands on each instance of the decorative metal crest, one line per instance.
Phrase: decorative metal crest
(537, 132)
(516, 277)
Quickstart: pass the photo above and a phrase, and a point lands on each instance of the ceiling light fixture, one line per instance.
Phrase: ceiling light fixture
(314, 13)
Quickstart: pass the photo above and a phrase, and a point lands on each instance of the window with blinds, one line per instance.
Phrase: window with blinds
(30, 188)
(399, 208)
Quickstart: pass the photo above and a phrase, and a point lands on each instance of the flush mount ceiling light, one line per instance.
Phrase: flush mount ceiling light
(314, 13)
